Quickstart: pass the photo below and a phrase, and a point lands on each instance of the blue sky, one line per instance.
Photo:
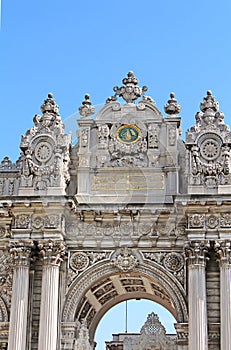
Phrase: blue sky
(75, 47)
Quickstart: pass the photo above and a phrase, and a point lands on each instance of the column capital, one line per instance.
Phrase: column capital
(223, 251)
(52, 252)
(20, 252)
(196, 252)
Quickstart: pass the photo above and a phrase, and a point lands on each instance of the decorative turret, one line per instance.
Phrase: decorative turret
(209, 143)
(130, 91)
(45, 153)
(210, 118)
(86, 110)
(172, 107)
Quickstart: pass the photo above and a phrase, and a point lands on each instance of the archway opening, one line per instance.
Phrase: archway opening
(129, 317)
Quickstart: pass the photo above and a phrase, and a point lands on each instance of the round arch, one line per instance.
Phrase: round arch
(101, 287)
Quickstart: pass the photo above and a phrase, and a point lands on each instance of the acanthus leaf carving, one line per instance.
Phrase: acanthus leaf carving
(197, 252)
(52, 252)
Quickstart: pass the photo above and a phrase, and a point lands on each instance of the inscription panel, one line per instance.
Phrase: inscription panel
(127, 182)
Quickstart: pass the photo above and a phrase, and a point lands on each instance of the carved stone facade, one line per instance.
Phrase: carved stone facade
(152, 336)
(130, 211)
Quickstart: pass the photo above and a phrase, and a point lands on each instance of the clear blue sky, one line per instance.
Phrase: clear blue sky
(75, 47)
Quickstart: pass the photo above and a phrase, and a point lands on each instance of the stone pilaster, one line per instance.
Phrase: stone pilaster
(198, 331)
(223, 250)
(21, 253)
(52, 254)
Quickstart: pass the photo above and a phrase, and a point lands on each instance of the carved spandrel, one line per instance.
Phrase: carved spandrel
(52, 252)
(197, 252)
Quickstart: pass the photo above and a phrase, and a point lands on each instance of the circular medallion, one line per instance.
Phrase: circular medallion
(212, 221)
(210, 149)
(173, 262)
(43, 151)
(128, 134)
(79, 261)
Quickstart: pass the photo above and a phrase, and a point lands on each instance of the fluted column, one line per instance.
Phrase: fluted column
(198, 332)
(21, 252)
(223, 250)
(52, 253)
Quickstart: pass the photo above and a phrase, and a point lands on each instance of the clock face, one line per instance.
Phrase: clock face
(128, 134)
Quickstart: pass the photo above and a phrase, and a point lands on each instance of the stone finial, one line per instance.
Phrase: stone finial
(86, 109)
(50, 106)
(209, 103)
(130, 91)
(172, 107)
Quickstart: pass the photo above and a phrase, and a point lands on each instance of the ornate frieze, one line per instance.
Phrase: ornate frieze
(117, 228)
(209, 221)
(37, 222)
(225, 220)
(22, 221)
(196, 220)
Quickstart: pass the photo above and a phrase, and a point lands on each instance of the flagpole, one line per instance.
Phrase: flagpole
(126, 316)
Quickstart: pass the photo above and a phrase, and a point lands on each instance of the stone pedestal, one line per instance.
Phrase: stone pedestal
(52, 253)
(21, 252)
(224, 253)
(198, 332)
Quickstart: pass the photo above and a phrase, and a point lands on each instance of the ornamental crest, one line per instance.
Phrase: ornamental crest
(125, 261)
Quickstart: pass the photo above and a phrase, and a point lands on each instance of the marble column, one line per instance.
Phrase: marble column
(52, 253)
(223, 250)
(21, 253)
(198, 332)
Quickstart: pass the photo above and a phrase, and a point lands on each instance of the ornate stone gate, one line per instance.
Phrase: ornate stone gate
(131, 211)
